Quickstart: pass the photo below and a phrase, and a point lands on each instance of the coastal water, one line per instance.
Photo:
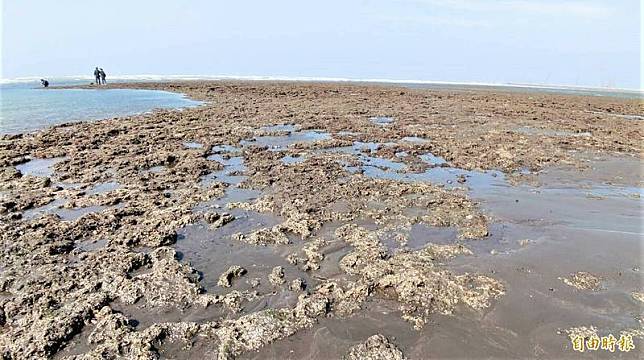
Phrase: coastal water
(26, 107)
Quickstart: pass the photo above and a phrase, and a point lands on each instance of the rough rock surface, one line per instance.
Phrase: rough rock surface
(276, 277)
(226, 279)
(377, 347)
(75, 248)
(583, 281)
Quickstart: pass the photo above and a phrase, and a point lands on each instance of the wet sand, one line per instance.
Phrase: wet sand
(456, 224)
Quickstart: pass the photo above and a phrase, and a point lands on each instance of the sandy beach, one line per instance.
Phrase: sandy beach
(323, 220)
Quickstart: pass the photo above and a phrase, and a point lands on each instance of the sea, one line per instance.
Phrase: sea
(25, 106)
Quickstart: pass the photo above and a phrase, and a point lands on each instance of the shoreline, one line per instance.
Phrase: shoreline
(558, 90)
(304, 79)
(281, 210)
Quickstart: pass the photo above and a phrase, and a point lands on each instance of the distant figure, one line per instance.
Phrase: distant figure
(97, 76)
(44, 82)
(102, 73)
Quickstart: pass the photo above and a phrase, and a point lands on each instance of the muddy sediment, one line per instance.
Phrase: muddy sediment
(278, 210)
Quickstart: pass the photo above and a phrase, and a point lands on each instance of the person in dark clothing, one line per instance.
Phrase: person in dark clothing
(97, 76)
(102, 73)
(44, 82)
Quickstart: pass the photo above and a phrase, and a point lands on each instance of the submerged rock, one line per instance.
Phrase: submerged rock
(297, 285)
(639, 296)
(414, 277)
(276, 277)
(377, 347)
(235, 271)
(583, 281)
(266, 236)
(253, 331)
(217, 220)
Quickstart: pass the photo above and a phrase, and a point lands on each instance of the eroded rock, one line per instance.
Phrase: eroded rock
(235, 271)
(583, 281)
(377, 347)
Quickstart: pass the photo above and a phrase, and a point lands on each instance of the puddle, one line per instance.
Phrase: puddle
(234, 161)
(91, 245)
(348, 133)
(333, 337)
(217, 149)
(230, 174)
(280, 128)
(213, 251)
(42, 210)
(65, 214)
(279, 143)
(39, 167)
(157, 169)
(535, 131)
(366, 146)
(192, 145)
(223, 177)
(287, 160)
(233, 166)
(357, 148)
(431, 159)
(381, 120)
(623, 116)
(415, 139)
(104, 187)
(422, 235)
(75, 213)
(381, 168)
(66, 186)
(232, 194)
(380, 163)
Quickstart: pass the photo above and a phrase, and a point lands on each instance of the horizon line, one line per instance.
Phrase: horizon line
(159, 77)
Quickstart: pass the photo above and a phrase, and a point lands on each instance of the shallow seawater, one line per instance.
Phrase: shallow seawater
(27, 107)
(65, 214)
(104, 187)
(232, 194)
(224, 149)
(432, 159)
(192, 145)
(382, 168)
(38, 167)
(547, 132)
(287, 160)
(212, 251)
(230, 174)
(279, 143)
(45, 209)
(415, 139)
(381, 120)
(280, 127)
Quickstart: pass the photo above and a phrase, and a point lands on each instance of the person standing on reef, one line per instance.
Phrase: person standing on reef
(102, 73)
(97, 76)
(44, 82)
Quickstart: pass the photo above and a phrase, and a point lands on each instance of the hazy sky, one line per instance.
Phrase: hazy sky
(575, 42)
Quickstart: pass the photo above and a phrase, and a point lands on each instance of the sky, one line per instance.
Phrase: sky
(568, 42)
